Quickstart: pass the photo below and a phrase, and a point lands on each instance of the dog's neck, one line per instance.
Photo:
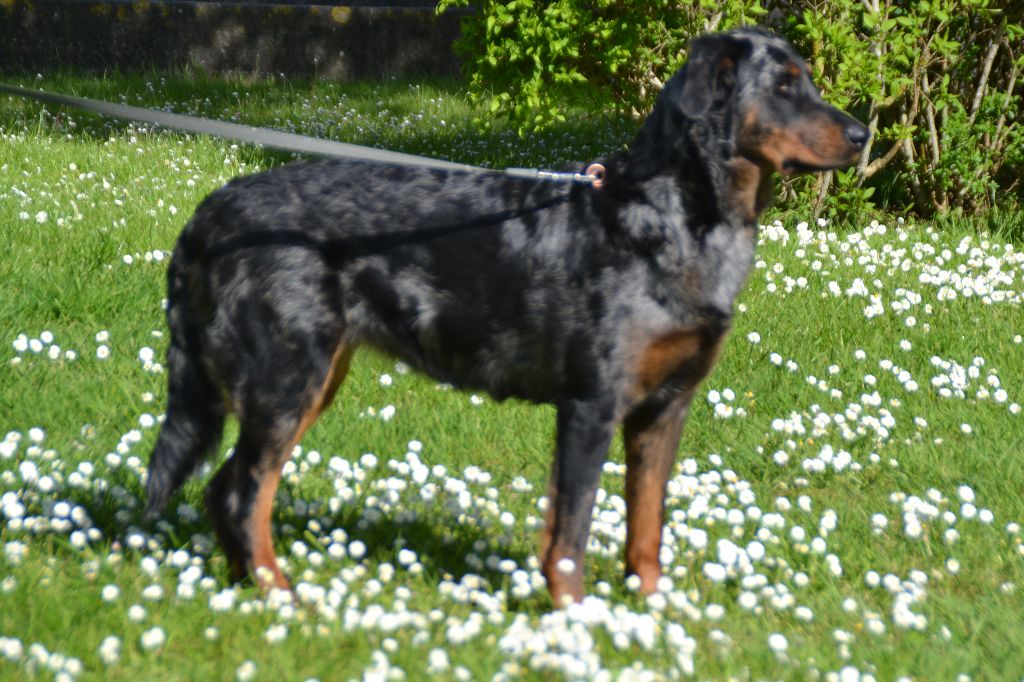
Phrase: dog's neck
(748, 189)
(739, 188)
(718, 189)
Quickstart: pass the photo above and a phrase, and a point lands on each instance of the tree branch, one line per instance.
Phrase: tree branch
(986, 69)
(929, 113)
(999, 138)
(882, 161)
(823, 184)
(865, 154)
(920, 202)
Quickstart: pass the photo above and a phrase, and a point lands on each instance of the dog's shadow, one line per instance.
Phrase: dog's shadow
(444, 548)
(443, 551)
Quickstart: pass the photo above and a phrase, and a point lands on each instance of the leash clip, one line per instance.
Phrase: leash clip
(594, 175)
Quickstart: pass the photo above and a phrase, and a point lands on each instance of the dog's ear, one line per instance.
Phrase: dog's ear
(711, 71)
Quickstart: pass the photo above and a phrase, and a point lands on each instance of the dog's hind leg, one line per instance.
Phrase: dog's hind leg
(584, 434)
(651, 435)
(293, 391)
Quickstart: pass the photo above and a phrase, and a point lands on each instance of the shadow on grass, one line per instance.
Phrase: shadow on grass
(431, 117)
(448, 546)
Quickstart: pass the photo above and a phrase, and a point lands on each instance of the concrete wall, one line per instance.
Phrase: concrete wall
(335, 42)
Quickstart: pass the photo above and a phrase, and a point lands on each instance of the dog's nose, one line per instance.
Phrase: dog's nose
(857, 134)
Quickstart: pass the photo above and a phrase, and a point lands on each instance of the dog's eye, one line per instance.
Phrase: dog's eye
(785, 86)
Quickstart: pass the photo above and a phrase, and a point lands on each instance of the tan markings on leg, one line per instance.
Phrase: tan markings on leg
(339, 370)
(548, 531)
(564, 583)
(651, 447)
(645, 503)
(662, 357)
(650, 454)
(265, 569)
(562, 586)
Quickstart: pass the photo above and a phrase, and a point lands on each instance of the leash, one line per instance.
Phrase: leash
(291, 142)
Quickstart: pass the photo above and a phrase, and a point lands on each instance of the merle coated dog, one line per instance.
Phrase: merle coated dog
(610, 303)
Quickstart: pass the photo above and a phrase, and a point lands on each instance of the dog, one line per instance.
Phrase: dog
(612, 303)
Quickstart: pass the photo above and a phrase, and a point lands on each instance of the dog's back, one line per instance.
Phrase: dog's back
(481, 281)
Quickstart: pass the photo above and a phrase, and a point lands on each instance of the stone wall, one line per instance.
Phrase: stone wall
(247, 39)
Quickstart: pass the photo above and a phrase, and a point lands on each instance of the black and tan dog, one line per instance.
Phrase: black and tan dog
(610, 303)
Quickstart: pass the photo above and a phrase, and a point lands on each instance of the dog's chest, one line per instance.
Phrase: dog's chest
(714, 272)
(685, 346)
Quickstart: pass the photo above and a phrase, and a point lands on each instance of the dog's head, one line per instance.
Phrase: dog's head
(752, 95)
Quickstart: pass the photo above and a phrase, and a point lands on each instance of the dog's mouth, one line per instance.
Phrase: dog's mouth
(794, 167)
(790, 167)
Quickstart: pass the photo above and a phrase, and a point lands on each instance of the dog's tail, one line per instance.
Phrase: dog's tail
(194, 423)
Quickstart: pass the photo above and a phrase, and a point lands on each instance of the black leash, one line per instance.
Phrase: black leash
(290, 142)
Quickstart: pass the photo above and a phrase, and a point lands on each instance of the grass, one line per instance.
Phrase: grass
(80, 197)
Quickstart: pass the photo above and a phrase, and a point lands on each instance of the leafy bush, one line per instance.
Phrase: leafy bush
(940, 85)
(940, 82)
(529, 57)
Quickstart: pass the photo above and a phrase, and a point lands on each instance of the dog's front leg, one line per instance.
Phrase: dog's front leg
(651, 436)
(584, 433)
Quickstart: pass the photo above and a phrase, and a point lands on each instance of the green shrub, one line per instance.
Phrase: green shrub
(529, 58)
(940, 82)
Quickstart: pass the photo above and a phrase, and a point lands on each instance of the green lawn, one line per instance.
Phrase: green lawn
(848, 495)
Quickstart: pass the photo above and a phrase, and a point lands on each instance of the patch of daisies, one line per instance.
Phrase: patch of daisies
(728, 555)
(859, 264)
(44, 347)
(865, 266)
